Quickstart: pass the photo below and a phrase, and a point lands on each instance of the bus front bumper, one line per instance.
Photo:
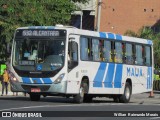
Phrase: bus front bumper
(44, 88)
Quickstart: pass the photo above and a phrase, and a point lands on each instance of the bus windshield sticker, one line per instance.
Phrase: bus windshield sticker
(26, 62)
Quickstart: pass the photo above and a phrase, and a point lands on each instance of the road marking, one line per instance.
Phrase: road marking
(154, 118)
(34, 107)
(70, 105)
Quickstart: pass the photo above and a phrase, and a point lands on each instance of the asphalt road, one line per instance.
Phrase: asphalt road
(63, 108)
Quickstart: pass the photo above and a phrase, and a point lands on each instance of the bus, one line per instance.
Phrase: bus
(66, 61)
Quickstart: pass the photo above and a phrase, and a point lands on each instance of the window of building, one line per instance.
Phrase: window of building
(152, 10)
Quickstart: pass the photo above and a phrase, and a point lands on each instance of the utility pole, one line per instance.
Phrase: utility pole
(98, 15)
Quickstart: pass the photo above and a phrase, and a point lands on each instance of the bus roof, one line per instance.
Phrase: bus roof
(102, 35)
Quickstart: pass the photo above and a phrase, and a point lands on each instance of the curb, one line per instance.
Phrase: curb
(11, 94)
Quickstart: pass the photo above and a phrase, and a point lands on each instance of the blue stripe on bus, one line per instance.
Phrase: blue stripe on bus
(149, 42)
(37, 80)
(102, 34)
(26, 80)
(118, 76)
(118, 37)
(110, 35)
(47, 80)
(109, 76)
(149, 78)
(97, 82)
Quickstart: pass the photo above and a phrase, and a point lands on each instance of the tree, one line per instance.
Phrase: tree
(147, 33)
(18, 13)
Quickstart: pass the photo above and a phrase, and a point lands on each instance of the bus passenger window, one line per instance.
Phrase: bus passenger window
(129, 53)
(107, 51)
(96, 50)
(84, 48)
(90, 52)
(148, 55)
(101, 49)
(139, 58)
(118, 52)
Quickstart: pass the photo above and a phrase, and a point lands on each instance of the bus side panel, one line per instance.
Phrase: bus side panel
(140, 76)
(73, 81)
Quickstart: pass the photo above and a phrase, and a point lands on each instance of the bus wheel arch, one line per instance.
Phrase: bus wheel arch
(83, 91)
(125, 97)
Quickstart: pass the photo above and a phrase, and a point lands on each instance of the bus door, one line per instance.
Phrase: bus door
(73, 71)
(72, 52)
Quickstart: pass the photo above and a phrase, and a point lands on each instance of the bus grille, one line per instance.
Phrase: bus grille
(42, 88)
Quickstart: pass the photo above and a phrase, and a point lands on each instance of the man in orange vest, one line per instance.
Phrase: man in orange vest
(5, 82)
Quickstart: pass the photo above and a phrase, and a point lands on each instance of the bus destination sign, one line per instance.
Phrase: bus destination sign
(40, 33)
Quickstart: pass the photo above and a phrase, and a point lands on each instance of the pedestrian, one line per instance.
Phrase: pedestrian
(5, 82)
(16, 93)
(1, 79)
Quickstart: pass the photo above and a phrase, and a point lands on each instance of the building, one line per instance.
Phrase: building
(85, 17)
(118, 16)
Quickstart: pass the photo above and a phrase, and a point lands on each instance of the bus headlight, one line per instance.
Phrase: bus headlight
(59, 79)
(13, 78)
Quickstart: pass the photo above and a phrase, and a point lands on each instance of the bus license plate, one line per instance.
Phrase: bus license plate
(35, 90)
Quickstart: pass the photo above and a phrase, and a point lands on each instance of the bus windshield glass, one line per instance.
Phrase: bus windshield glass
(39, 50)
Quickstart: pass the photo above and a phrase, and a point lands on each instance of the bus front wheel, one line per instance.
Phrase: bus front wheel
(34, 97)
(80, 97)
(125, 97)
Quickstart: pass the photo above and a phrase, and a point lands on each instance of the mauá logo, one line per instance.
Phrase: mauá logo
(136, 72)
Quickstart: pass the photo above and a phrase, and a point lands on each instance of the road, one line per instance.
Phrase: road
(99, 107)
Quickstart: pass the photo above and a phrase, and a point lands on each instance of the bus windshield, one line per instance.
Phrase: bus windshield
(39, 54)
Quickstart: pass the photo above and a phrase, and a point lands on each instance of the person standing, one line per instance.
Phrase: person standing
(5, 82)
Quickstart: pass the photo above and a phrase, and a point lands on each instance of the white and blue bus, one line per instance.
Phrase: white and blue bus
(70, 62)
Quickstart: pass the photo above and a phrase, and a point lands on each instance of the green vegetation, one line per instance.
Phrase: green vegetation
(19, 13)
(148, 33)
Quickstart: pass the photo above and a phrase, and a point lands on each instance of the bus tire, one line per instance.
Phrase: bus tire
(87, 99)
(34, 97)
(116, 99)
(125, 97)
(80, 97)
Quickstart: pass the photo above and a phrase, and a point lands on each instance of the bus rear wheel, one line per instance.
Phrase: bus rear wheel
(125, 97)
(80, 97)
(34, 97)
